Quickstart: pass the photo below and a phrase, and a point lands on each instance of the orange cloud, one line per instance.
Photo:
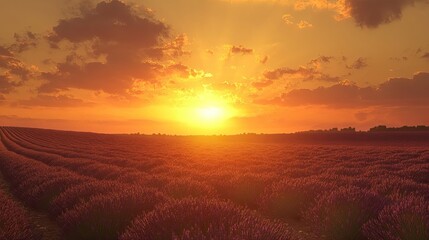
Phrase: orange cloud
(307, 73)
(289, 20)
(394, 92)
(304, 24)
(53, 101)
(262, 84)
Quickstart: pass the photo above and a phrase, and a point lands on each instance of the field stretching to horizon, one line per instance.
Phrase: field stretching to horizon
(73, 185)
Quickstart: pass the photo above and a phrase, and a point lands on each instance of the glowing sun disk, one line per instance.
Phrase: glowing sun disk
(211, 113)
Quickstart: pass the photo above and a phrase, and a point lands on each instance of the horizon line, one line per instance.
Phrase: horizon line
(378, 128)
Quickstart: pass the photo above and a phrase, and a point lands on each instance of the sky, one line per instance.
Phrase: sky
(213, 66)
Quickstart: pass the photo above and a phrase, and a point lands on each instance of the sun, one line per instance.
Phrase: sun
(207, 112)
(206, 116)
(210, 113)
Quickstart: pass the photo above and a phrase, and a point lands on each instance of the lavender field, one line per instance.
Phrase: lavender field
(70, 185)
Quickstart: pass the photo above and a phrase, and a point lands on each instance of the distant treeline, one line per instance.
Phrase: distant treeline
(349, 129)
(382, 128)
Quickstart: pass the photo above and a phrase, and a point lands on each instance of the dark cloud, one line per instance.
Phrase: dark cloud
(134, 47)
(321, 59)
(5, 84)
(312, 71)
(309, 72)
(399, 59)
(419, 50)
(13, 72)
(175, 48)
(264, 60)
(372, 13)
(426, 55)
(13, 67)
(108, 77)
(394, 92)
(406, 91)
(366, 13)
(358, 64)
(338, 95)
(180, 70)
(24, 41)
(240, 50)
(112, 23)
(5, 52)
(53, 101)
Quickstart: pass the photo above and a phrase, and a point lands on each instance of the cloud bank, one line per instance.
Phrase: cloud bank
(123, 48)
(392, 93)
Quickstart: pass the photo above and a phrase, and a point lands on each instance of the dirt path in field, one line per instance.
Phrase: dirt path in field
(49, 229)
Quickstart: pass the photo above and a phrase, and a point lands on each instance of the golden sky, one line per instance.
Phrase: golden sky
(213, 66)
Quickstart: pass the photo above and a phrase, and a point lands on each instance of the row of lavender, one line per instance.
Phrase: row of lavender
(338, 192)
(90, 208)
(15, 222)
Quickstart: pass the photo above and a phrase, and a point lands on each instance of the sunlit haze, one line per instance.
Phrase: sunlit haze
(213, 66)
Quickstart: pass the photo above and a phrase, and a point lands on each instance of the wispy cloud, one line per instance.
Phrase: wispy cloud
(358, 64)
(288, 19)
